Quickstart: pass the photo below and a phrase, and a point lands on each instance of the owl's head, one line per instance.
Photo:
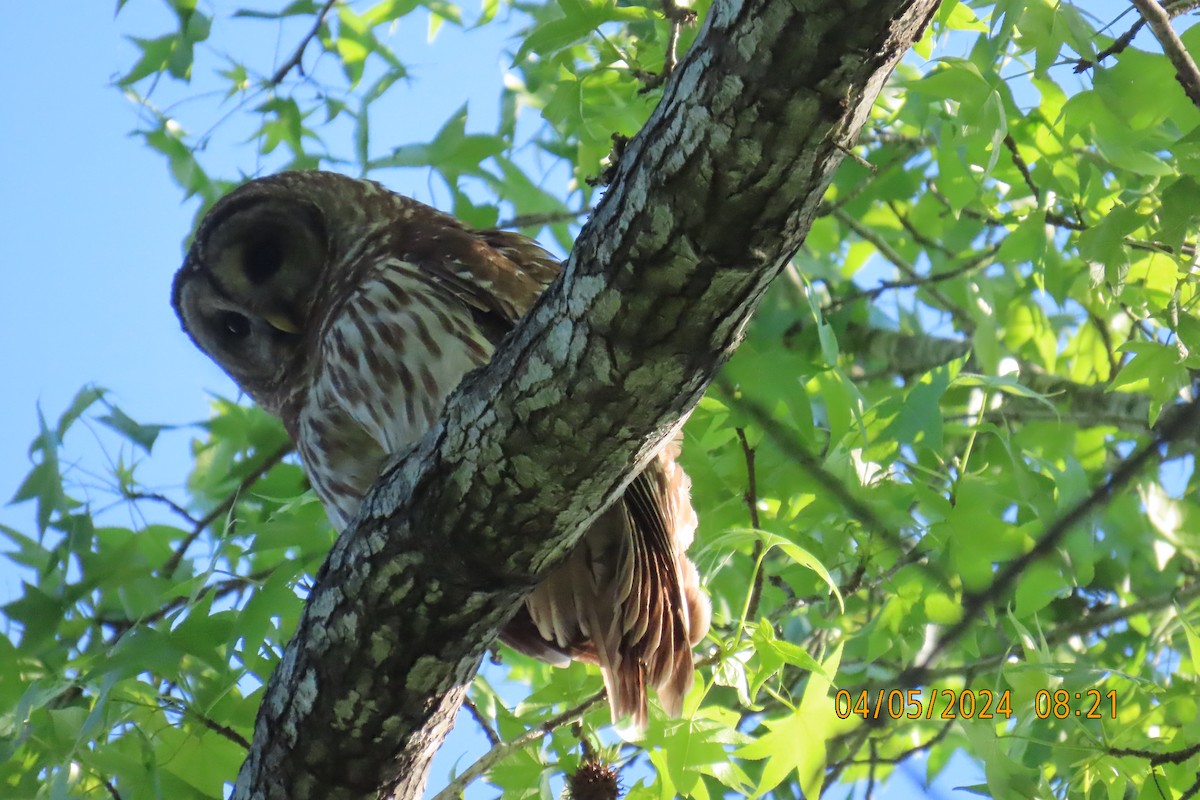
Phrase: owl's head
(246, 291)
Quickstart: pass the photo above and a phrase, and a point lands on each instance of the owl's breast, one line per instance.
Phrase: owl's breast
(388, 359)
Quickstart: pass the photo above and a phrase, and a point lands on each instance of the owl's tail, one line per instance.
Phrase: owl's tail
(628, 598)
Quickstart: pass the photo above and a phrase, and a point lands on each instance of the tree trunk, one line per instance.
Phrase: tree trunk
(710, 201)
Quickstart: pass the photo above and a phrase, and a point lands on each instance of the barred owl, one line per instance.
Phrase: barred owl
(351, 312)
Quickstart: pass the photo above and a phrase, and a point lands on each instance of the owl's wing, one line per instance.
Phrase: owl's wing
(498, 273)
(627, 598)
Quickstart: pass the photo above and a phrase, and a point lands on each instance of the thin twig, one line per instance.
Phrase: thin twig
(978, 261)
(1086, 624)
(751, 498)
(503, 750)
(1117, 47)
(1022, 167)
(836, 769)
(671, 57)
(1179, 7)
(1186, 71)
(1187, 249)
(858, 509)
(219, 729)
(181, 707)
(974, 603)
(849, 743)
(915, 232)
(853, 156)
(159, 498)
(294, 61)
(677, 16)
(270, 461)
(677, 13)
(1158, 759)
(902, 264)
(492, 736)
(538, 220)
(851, 586)
(609, 173)
(112, 790)
(219, 590)
(904, 147)
(1101, 327)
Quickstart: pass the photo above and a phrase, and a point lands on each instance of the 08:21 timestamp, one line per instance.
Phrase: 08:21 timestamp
(1061, 704)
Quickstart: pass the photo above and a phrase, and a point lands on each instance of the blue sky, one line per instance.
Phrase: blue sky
(91, 226)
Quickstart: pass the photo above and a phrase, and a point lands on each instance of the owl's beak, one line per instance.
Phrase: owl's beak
(281, 322)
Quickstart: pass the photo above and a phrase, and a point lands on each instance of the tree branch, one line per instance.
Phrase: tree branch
(219, 590)
(1118, 46)
(709, 203)
(298, 53)
(483, 722)
(1087, 624)
(978, 261)
(251, 478)
(1186, 250)
(905, 355)
(860, 509)
(538, 220)
(751, 498)
(1186, 71)
(502, 750)
(974, 603)
(159, 498)
(938, 298)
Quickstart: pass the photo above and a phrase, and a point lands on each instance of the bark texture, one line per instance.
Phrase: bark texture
(710, 201)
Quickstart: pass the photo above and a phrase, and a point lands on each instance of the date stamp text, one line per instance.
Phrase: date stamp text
(949, 704)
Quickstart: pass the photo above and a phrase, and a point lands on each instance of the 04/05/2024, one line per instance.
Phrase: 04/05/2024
(971, 704)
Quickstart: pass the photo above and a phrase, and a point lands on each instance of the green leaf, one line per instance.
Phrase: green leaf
(786, 652)
(141, 435)
(487, 12)
(742, 536)
(1179, 214)
(29, 552)
(293, 9)
(39, 614)
(732, 673)
(1003, 384)
(83, 400)
(1040, 583)
(920, 418)
(1193, 641)
(156, 54)
(168, 140)
(1155, 369)
(811, 724)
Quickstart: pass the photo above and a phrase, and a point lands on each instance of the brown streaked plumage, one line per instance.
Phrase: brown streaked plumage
(352, 312)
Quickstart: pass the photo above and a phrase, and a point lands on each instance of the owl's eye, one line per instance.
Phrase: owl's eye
(233, 325)
(262, 258)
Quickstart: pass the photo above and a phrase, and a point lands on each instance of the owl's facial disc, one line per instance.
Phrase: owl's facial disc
(269, 255)
(246, 290)
(255, 353)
